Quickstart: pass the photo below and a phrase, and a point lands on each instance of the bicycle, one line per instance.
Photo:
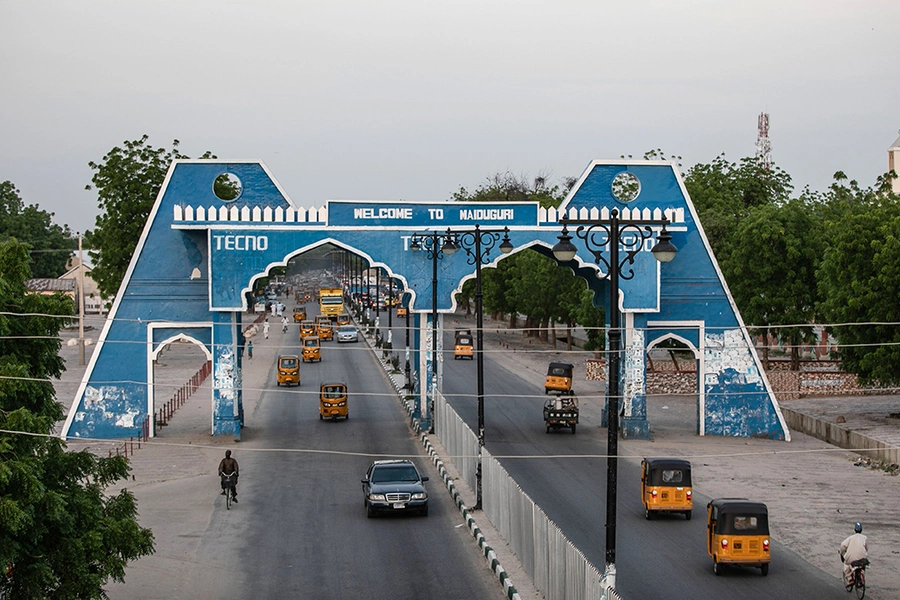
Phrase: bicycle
(228, 487)
(858, 577)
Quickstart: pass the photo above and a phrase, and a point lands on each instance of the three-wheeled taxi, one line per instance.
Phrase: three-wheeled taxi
(288, 370)
(324, 328)
(559, 378)
(333, 401)
(561, 411)
(307, 329)
(343, 319)
(401, 311)
(738, 534)
(299, 314)
(462, 347)
(311, 349)
(666, 486)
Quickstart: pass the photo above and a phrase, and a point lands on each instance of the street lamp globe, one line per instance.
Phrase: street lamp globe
(565, 250)
(664, 250)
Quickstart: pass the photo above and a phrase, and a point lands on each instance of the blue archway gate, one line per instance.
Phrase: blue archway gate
(198, 255)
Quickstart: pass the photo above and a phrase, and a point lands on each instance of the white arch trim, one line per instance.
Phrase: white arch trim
(153, 354)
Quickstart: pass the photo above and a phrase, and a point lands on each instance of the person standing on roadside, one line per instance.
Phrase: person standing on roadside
(266, 328)
(250, 350)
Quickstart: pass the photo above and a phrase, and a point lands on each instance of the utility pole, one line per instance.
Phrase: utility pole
(80, 302)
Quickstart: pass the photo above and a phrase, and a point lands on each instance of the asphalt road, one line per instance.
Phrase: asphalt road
(664, 558)
(307, 535)
(300, 529)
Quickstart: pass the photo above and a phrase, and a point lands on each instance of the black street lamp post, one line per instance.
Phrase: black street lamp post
(434, 244)
(478, 244)
(600, 236)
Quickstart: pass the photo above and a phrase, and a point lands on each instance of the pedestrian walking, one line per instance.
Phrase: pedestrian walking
(266, 329)
(250, 350)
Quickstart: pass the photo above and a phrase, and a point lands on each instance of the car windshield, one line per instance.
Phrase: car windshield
(398, 473)
(288, 363)
(347, 329)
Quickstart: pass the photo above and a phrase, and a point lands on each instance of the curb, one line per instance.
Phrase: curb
(488, 552)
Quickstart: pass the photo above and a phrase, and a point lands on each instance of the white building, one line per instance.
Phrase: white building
(894, 163)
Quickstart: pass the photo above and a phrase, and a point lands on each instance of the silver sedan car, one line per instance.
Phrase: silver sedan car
(347, 333)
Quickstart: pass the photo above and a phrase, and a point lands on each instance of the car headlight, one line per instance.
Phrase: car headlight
(420, 496)
(342, 403)
(376, 497)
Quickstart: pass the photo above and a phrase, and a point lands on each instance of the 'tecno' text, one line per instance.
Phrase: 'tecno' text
(241, 242)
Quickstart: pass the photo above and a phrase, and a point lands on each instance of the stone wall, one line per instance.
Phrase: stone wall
(815, 378)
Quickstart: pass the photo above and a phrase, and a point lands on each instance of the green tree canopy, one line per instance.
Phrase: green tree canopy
(60, 535)
(51, 244)
(859, 279)
(127, 180)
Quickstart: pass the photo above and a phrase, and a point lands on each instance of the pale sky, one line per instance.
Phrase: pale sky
(410, 99)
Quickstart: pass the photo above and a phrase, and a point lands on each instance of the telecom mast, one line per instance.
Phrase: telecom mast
(763, 145)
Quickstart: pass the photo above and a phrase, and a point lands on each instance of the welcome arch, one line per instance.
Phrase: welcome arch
(198, 255)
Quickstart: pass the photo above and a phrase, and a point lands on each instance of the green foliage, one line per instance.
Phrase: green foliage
(61, 536)
(50, 244)
(725, 192)
(771, 270)
(506, 187)
(859, 279)
(127, 181)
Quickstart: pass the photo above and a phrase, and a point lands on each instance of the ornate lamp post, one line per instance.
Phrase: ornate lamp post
(612, 236)
(478, 243)
(435, 245)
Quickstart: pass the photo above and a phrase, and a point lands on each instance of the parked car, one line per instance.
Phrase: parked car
(347, 333)
(394, 486)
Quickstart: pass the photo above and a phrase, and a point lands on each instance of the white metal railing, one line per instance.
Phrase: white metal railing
(558, 569)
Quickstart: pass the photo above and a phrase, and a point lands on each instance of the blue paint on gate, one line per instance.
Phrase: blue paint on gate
(199, 256)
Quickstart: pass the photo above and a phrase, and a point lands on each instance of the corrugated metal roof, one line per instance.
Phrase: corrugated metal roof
(50, 285)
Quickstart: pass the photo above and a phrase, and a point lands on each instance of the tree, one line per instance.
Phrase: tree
(60, 535)
(859, 279)
(51, 244)
(771, 271)
(127, 181)
(724, 192)
(506, 187)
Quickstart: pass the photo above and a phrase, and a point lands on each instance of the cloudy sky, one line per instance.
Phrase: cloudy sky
(412, 99)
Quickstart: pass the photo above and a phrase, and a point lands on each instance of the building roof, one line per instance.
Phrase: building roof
(895, 145)
(50, 285)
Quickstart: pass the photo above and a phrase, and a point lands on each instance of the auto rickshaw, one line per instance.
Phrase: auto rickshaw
(311, 349)
(738, 534)
(561, 411)
(559, 378)
(343, 319)
(462, 347)
(324, 328)
(333, 401)
(299, 314)
(666, 486)
(288, 370)
(401, 311)
(307, 328)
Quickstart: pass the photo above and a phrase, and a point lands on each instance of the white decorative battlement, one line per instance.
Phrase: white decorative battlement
(202, 214)
(546, 216)
(553, 215)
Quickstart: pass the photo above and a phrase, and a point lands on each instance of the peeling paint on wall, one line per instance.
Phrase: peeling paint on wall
(225, 374)
(633, 384)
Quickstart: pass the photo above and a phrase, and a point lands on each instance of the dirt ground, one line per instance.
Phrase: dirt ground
(815, 492)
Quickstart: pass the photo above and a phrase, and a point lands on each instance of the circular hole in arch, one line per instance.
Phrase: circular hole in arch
(227, 187)
(626, 187)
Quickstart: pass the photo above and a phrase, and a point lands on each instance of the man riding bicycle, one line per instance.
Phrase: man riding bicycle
(227, 466)
(853, 548)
